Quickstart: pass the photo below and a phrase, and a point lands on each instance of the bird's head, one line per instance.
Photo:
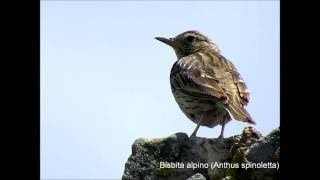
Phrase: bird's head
(190, 42)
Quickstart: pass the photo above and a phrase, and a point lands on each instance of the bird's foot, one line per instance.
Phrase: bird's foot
(220, 137)
(193, 135)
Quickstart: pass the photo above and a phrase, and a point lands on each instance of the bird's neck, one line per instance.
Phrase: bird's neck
(210, 49)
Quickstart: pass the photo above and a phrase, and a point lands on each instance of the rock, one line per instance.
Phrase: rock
(197, 176)
(244, 156)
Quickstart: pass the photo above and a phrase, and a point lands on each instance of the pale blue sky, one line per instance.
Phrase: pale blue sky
(105, 79)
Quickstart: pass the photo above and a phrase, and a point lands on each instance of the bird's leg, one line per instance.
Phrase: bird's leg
(196, 130)
(222, 129)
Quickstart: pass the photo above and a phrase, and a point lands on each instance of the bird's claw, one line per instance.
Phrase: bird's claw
(193, 135)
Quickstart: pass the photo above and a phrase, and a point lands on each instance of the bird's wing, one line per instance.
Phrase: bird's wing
(190, 76)
(208, 74)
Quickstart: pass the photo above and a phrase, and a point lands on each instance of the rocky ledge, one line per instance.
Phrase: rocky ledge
(247, 156)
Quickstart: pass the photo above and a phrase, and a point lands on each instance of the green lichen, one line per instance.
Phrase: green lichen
(163, 172)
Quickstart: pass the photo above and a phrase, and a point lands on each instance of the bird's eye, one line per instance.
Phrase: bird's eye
(190, 38)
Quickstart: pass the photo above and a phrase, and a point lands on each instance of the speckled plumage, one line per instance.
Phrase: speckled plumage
(205, 84)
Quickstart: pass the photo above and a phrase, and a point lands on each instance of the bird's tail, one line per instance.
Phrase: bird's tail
(240, 113)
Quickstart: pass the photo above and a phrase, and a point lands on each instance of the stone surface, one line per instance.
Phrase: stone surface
(180, 157)
(197, 176)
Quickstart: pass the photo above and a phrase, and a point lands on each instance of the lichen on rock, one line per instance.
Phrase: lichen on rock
(197, 176)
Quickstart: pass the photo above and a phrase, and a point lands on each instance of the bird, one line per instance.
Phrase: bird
(207, 87)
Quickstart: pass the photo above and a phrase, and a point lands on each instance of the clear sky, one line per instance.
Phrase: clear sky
(105, 79)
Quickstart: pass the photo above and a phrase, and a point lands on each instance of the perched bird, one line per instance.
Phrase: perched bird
(207, 87)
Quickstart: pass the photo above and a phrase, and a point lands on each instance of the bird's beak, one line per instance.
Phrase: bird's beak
(169, 41)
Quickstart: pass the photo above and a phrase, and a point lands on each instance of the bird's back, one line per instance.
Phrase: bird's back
(207, 83)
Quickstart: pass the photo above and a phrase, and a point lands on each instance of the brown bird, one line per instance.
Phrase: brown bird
(207, 87)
